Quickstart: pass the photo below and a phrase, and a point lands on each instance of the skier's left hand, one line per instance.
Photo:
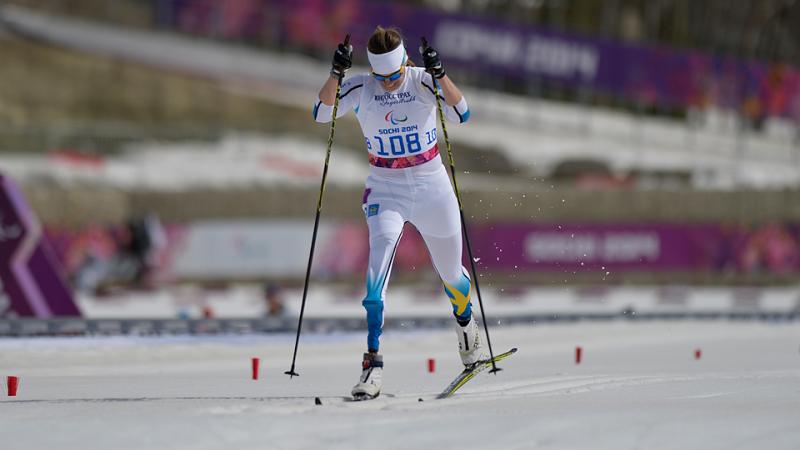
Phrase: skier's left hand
(433, 64)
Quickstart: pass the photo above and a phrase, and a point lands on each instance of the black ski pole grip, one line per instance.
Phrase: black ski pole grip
(423, 47)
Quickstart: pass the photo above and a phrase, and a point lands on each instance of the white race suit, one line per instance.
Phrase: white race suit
(407, 182)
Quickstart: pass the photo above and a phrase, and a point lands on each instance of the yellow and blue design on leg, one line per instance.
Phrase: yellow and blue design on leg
(460, 293)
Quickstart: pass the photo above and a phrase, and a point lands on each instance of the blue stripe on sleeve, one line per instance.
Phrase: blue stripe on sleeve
(460, 119)
(350, 90)
(431, 89)
(316, 109)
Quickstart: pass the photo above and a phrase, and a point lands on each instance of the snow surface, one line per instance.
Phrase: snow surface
(638, 386)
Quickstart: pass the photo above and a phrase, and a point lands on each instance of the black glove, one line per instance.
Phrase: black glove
(433, 64)
(342, 60)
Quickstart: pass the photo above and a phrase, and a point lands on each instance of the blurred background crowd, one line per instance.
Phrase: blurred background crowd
(611, 142)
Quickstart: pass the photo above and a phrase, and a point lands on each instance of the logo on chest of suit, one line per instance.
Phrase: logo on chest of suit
(391, 99)
(390, 117)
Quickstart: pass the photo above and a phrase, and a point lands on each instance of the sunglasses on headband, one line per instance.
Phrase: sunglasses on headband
(390, 77)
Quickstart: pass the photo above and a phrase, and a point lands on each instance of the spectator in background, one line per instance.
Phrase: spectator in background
(780, 249)
(770, 249)
(146, 237)
(274, 300)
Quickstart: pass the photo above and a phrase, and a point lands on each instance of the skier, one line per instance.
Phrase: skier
(396, 108)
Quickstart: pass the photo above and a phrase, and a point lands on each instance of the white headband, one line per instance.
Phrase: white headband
(388, 63)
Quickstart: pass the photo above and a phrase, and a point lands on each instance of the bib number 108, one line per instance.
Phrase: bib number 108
(397, 145)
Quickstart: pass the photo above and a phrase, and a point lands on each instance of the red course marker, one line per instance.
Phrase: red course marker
(578, 355)
(698, 353)
(255, 368)
(431, 365)
(13, 383)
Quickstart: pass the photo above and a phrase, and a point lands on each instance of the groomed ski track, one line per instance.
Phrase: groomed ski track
(638, 386)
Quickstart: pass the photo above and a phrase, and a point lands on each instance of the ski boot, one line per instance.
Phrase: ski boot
(469, 343)
(370, 383)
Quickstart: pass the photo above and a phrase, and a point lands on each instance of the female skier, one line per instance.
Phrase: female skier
(396, 108)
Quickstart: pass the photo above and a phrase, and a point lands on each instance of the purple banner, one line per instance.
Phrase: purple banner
(771, 248)
(648, 74)
(33, 284)
(92, 254)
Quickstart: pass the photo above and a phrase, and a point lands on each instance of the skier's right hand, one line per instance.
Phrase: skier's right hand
(342, 60)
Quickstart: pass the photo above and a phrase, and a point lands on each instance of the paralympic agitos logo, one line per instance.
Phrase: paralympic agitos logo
(394, 120)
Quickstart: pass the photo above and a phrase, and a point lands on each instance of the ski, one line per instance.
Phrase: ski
(470, 373)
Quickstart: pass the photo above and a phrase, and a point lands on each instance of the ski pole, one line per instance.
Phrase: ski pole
(495, 369)
(291, 372)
